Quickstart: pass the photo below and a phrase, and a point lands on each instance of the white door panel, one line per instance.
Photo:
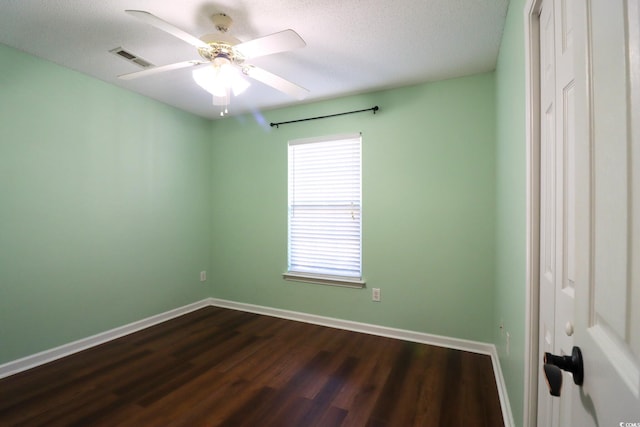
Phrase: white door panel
(608, 205)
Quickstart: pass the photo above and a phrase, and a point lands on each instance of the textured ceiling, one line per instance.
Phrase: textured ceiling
(353, 46)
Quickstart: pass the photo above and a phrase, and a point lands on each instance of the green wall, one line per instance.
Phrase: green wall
(104, 206)
(511, 205)
(428, 208)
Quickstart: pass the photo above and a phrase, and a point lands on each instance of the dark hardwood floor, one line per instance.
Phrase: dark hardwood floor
(219, 367)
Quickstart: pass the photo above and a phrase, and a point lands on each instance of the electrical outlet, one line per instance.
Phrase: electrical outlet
(375, 294)
(203, 276)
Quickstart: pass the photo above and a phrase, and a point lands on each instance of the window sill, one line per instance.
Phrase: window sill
(345, 282)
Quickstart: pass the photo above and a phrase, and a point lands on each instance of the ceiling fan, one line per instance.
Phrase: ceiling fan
(224, 57)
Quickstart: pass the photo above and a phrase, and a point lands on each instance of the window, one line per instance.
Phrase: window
(325, 226)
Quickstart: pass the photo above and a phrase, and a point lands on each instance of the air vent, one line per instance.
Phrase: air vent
(125, 54)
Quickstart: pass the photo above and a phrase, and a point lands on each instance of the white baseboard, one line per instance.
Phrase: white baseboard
(41, 358)
(507, 415)
(421, 337)
(401, 334)
(50, 355)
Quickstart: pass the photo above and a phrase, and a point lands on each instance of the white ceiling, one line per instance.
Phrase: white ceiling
(353, 46)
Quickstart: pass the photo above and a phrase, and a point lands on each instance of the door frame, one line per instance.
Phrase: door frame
(532, 284)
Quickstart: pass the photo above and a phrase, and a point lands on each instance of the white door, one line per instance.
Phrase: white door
(607, 305)
(557, 201)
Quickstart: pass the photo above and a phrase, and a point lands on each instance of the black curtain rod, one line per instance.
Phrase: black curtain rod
(374, 109)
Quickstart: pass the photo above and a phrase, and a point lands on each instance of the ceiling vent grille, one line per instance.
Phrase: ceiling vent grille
(125, 54)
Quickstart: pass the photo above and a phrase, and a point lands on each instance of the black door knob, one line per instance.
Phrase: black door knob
(553, 365)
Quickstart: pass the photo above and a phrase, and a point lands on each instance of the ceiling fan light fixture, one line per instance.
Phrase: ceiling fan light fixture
(239, 84)
(220, 79)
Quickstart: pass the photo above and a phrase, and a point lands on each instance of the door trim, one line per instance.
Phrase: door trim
(532, 284)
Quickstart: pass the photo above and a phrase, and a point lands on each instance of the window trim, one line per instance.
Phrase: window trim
(325, 279)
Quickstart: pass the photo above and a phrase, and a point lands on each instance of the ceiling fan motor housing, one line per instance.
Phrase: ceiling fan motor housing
(220, 44)
(219, 49)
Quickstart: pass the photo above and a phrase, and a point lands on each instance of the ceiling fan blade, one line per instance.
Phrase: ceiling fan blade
(167, 27)
(161, 69)
(273, 43)
(275, 82)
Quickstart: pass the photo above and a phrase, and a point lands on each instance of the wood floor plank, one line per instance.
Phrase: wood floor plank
(322, 401)
(190, 400)
(370, 386)
(433, 380)
(288, 412)
(387, 402)
(254, 410)
(221, 367)
(333, 416)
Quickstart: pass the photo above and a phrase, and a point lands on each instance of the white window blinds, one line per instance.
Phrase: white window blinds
(325, 224)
